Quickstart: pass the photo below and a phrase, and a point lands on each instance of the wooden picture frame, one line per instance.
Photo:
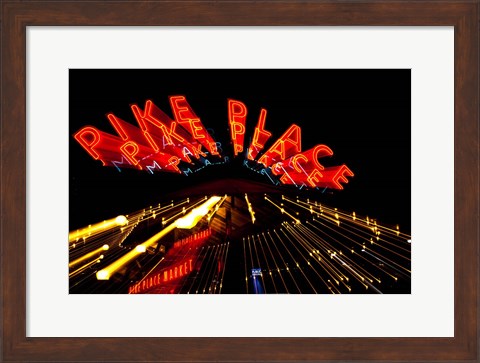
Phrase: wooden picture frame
(18, 15)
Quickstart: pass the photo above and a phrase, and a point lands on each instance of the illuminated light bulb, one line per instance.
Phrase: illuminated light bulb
(103, 275)
(141, 248)
(121, 220)
(105, 247)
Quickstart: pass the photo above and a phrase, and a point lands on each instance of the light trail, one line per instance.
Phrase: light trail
(183, 211)
(88, 256)
(281, 209)
(294, 260)
(94, 229)
(224, 268)
(268, 266)
(250, 209)
(259, 264)
(314, 236)
(275, 262)
(88, 264)
(306, 260)
(363, 246)
(205, 266)
(194, 278)
(211, 272)
(187, 222)
(284, 263)
(303, 244)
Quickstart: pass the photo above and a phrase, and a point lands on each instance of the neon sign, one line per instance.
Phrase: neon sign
(183, 145)
(237, 116)
(171, 273)
(260, 136)
(195, 238)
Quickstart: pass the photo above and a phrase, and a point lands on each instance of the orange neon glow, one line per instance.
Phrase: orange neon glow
(338, 174)
(163, 126)
(170, 273)
(314, 177)
(306, 161)
(161, 144)
(330, 177)
(260, 136)
(164, 134)
(130, 150)
(173, 162)
(88, 137)
(195, 238)
(295, 161)
(101, 146)
(237, 116)
(287, 145)
(277, 168)
(185, 116)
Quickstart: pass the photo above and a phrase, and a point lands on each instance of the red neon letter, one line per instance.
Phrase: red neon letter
(314, 177)
(130, 150)
(185, 116)
(287, 145)
(88, 137)
(260, 136)
(237, 115)
(166, 134)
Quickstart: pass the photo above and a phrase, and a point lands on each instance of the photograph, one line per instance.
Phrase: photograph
(279, 154)
(239, 181)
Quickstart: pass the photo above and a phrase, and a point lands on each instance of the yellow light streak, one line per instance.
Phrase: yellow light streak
(94, 229)
(196, 214)
(88, 256)
(275, 261)
(108, 271)
(189, 221)
(282, 209)
(84, 267)
(268, 265)
(250, 209)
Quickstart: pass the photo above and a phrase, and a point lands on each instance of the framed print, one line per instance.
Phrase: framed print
(240, 181)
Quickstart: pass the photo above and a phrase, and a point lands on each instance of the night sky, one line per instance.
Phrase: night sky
(362, 115)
